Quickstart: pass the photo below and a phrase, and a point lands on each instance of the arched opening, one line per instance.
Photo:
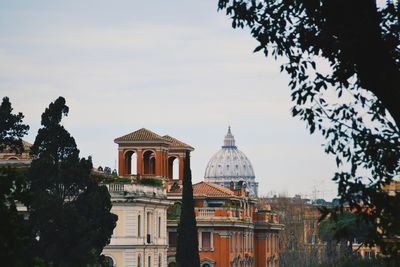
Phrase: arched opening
(13, 158)
(173, 168)
(159, 260)
(109, 261)
(149, 162)
(130, 163)
(172, 264)
(139, 261)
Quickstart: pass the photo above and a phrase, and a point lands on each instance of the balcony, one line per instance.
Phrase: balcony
(222, 215)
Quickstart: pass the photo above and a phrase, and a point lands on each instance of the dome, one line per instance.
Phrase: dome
(230, 164)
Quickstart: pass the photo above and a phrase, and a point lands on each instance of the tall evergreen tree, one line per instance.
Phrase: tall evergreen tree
(187, 253)
(14, 232)
(69, 213)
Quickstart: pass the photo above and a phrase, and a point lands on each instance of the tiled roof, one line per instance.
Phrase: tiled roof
(140, 136)
(211, 190)
(176, 143)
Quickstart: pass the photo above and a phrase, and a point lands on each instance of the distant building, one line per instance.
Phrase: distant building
(230, 164)
(9, 157)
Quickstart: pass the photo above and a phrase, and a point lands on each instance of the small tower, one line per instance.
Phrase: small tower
(154, 155)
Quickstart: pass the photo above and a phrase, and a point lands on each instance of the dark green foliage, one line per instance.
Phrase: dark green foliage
(174, 211)
(151, 181)
(11, 128)
(343, 60)
(14, 231)
(187, 253)
(69, 212)
(346, 227)
(109, 179)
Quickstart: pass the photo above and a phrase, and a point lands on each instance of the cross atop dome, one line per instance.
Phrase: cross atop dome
(229, 140)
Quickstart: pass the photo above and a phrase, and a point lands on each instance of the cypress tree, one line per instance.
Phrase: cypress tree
(187, 254)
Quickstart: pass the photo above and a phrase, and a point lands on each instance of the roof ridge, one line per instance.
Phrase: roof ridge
(142, 133)
(177, 141)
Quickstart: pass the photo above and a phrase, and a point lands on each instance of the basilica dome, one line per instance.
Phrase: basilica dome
(231, 164)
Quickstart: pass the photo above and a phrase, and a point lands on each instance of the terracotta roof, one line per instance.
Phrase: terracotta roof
(211, 190)
(140, 136)
(175, 143)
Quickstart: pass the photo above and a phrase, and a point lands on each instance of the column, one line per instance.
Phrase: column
(139, 162)
(121, 163)
(181, 167)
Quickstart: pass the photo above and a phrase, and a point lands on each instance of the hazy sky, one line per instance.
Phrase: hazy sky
(174, 67)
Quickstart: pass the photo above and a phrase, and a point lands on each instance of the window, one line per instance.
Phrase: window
(139, 261)
(231, 242)
(149, 230)
(149, 261)
(172, 239)
(159, 226)
(109, 261)
(241, 241)
(139, 229)
(236, 242)
(159, 260)
(206, 265)
(206, 240)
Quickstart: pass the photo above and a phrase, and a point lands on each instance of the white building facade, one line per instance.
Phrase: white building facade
(140, 236)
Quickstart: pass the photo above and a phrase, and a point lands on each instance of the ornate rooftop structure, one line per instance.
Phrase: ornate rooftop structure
(231, 164)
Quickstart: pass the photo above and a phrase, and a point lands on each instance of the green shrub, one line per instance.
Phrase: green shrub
(151, 182)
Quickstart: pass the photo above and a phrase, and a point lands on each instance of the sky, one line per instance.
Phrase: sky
(174, 67)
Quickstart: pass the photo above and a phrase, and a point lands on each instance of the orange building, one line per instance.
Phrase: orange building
(8, 157)
(231, 231)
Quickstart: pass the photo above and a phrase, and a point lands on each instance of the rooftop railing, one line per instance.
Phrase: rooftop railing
(221, 214)
(135, 189)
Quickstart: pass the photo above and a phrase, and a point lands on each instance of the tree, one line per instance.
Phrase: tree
(187, 253)
(345, 229)
(69, 212)
(343, 60)
(14, 232)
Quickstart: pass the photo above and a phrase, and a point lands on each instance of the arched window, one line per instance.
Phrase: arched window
(159, 260)
(139, 229)
(139, 261)
(149, 261)
(206, 265)
(109, 261)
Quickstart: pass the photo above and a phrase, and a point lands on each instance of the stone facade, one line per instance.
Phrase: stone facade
(140, 237)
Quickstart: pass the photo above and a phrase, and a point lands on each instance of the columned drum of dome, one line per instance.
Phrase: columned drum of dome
(231, 164)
